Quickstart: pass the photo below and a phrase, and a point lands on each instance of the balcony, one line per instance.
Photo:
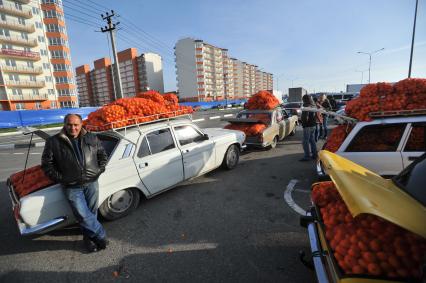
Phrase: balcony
(10, 9)
(20, 54)
(18, 41)
(15, 25)
(25, 84)
(28, 97)
(21, 69)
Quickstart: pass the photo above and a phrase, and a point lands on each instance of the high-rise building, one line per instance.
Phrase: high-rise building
(138, 73)
(35, 64)
(206, 73)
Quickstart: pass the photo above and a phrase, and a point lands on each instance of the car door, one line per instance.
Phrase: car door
(159, 161)
(416, 143)
(376, 147)
(281, 122)
(198, 152)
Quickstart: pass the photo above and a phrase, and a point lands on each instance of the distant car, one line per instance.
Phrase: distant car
(294, 108)
(279, 124)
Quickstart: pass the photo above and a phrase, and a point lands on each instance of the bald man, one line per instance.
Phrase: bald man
(75, 158)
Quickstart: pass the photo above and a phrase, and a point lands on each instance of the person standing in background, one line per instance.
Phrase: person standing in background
(308, 124)
(323, 101)
(318, 120)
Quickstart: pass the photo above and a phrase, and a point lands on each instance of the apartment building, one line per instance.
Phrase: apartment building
(206, 73)
(35, 66)
(138, 73)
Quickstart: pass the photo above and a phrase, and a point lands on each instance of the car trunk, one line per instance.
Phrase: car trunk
(367, 197)
(33, 179)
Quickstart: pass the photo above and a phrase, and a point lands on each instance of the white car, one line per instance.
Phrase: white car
(144, 161)
(385, 145)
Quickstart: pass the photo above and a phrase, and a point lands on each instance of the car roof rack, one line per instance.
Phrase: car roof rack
(134, 122)
(397, 113)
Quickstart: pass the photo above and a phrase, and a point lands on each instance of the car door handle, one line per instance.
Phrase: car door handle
(187, 150)
(412, 158)
(142, 165)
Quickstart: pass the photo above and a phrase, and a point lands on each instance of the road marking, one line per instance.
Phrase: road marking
(198, 120)
(20, 153)
(35, 152)
(214, 117)
(289, 199)
(228, 115)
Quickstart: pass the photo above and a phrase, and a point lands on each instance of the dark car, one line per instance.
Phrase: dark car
(294, 108)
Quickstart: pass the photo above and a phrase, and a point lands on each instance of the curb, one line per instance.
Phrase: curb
(19, 132)
(21, 145)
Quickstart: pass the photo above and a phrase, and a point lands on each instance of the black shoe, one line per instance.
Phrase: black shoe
(89, 245)
(101, 244)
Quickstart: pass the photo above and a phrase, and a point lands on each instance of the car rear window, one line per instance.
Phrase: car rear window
(377, 138)
(293, 105)
(109, 143)
(417, 139)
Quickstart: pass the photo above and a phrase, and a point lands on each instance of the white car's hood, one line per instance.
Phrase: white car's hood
(217, 132)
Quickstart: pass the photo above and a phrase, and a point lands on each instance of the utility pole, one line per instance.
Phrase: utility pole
(412, 40)
(118, 90)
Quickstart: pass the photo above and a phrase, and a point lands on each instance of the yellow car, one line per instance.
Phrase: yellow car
(400, 200)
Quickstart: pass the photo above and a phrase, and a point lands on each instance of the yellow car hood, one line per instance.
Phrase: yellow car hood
(366, 192)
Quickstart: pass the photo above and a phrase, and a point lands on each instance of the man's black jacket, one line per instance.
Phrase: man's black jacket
(59, 160)
(308, 118)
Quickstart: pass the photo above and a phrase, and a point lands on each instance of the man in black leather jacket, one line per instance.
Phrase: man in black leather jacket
(75, 158)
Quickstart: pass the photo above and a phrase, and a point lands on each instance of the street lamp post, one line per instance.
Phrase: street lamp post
(412, 40)
(369, 64)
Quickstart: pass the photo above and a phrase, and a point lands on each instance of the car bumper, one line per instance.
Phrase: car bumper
(316, 250)
(23, 228)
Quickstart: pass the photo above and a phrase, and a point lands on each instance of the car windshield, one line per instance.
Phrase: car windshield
(108, 143)
(293, 105)
(413, 179)
(265, 118)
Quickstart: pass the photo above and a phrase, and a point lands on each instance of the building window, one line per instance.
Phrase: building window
(20, 106)
(3, 17)
(36, 10)
(53, 104)
(48, 79)
(14, 77)
(40, 38)
(57, 41)
(38, 105)
(38, 25)
(30, 64)
(10, 62)
(51, 91)
(4, 32)
(63, 80)
(59, 54)
(16, 91)
(46, 66)
(33, 78)
(55, 28)
(24, 35)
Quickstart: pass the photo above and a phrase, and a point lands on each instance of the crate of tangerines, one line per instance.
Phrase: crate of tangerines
(30, 180)
(366, 246)
(145, 107)
(262, 100)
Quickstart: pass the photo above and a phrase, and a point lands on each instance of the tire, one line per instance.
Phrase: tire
(120, 204)
(292, 133)
(231, 158)
(274, 143)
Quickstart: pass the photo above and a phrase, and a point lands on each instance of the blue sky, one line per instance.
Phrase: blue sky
(308, 43)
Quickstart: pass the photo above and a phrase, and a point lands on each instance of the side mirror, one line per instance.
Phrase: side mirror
(205, 137)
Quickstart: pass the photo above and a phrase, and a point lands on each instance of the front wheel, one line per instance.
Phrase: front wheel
(274, 143)
(231, 157)
(120, 204)
(292, 133)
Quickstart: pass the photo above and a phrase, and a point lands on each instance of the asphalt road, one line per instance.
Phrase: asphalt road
(226, 226)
